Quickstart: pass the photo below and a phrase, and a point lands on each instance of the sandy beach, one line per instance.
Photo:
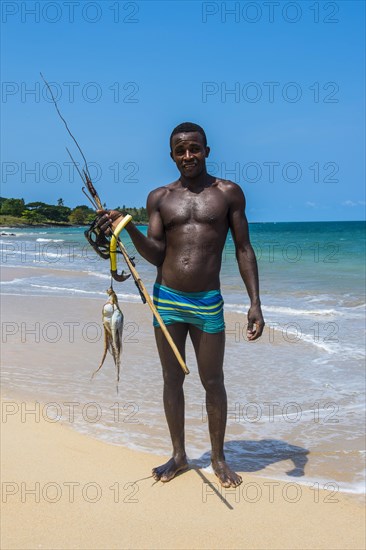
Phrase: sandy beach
(63, 489)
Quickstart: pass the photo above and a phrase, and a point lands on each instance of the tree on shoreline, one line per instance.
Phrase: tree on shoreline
(38, 212)
(50, 211)
(11, 207)
(81, 215)
(32, 217)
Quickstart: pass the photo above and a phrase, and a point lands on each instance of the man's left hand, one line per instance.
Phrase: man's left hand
(108, 219)
(255, 318)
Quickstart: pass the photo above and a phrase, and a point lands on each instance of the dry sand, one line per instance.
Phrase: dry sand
(61, 489)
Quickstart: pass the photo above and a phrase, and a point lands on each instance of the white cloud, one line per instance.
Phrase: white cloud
(352, 203)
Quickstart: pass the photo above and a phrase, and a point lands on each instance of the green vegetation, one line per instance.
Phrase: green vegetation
(12, 221)
(14, 212)
(138, 214)
(11, 207)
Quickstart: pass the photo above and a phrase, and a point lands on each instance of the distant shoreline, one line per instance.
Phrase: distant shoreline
(20, 225)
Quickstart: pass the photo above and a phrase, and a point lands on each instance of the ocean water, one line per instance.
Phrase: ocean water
(296, 398)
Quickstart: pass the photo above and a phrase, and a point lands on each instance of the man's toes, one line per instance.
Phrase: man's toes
(237, 481)
(229, 478)
(225, 481)
(164, 478)
(169, 474)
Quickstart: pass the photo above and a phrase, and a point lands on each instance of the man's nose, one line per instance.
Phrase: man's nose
(188, 154)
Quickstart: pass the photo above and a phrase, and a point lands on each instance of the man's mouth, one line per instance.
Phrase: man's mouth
(189, 164)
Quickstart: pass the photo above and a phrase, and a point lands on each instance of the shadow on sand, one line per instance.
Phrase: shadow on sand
(253, 456)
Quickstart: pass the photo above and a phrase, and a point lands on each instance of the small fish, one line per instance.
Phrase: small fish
(113, 328)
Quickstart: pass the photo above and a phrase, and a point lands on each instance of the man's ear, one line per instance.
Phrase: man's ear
(171, 155)
(207, 152)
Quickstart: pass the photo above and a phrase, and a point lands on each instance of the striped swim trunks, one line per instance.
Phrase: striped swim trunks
(204, 310)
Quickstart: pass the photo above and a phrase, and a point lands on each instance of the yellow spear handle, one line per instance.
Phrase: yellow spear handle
(136, 276)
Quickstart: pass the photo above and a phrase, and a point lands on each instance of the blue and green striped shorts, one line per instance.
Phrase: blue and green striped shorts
(204, 310)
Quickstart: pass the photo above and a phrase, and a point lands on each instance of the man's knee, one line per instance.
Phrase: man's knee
(213, 384)
(173, 377)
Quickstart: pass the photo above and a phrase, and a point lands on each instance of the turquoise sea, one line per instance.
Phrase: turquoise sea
(308, 382)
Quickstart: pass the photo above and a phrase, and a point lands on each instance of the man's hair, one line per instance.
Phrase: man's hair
(188, 127)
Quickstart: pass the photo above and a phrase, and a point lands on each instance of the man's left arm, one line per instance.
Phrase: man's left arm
(246, 259)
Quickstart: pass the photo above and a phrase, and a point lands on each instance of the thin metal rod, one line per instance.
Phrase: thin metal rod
(89, 199)
(64, 121)
(76, 166)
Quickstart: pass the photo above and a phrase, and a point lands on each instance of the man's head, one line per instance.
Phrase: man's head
(188, 149)
(187, 128)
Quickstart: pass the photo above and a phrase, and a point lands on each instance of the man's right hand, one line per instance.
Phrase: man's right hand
(108, 220)
(255, 318)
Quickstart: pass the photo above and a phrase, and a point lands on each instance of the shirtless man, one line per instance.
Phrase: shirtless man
(188, 223)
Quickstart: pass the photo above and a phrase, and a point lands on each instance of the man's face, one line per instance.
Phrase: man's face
(189, 153)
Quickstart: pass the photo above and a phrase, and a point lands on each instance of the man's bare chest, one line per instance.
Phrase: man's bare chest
(207, 207)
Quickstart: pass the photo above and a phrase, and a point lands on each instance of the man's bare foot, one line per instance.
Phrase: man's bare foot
(170, 469)
(227, 477)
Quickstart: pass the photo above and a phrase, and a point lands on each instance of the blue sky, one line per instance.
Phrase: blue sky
(278, 86)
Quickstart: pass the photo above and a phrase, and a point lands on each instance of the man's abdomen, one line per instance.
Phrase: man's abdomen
(193, 256)
(192, 268)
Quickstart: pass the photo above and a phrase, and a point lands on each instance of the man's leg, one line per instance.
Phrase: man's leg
(173, 399)
(209, 349)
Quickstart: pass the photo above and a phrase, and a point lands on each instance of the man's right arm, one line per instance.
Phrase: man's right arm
(152, 246)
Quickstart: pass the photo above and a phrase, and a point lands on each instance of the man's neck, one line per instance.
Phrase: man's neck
(197, 184)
